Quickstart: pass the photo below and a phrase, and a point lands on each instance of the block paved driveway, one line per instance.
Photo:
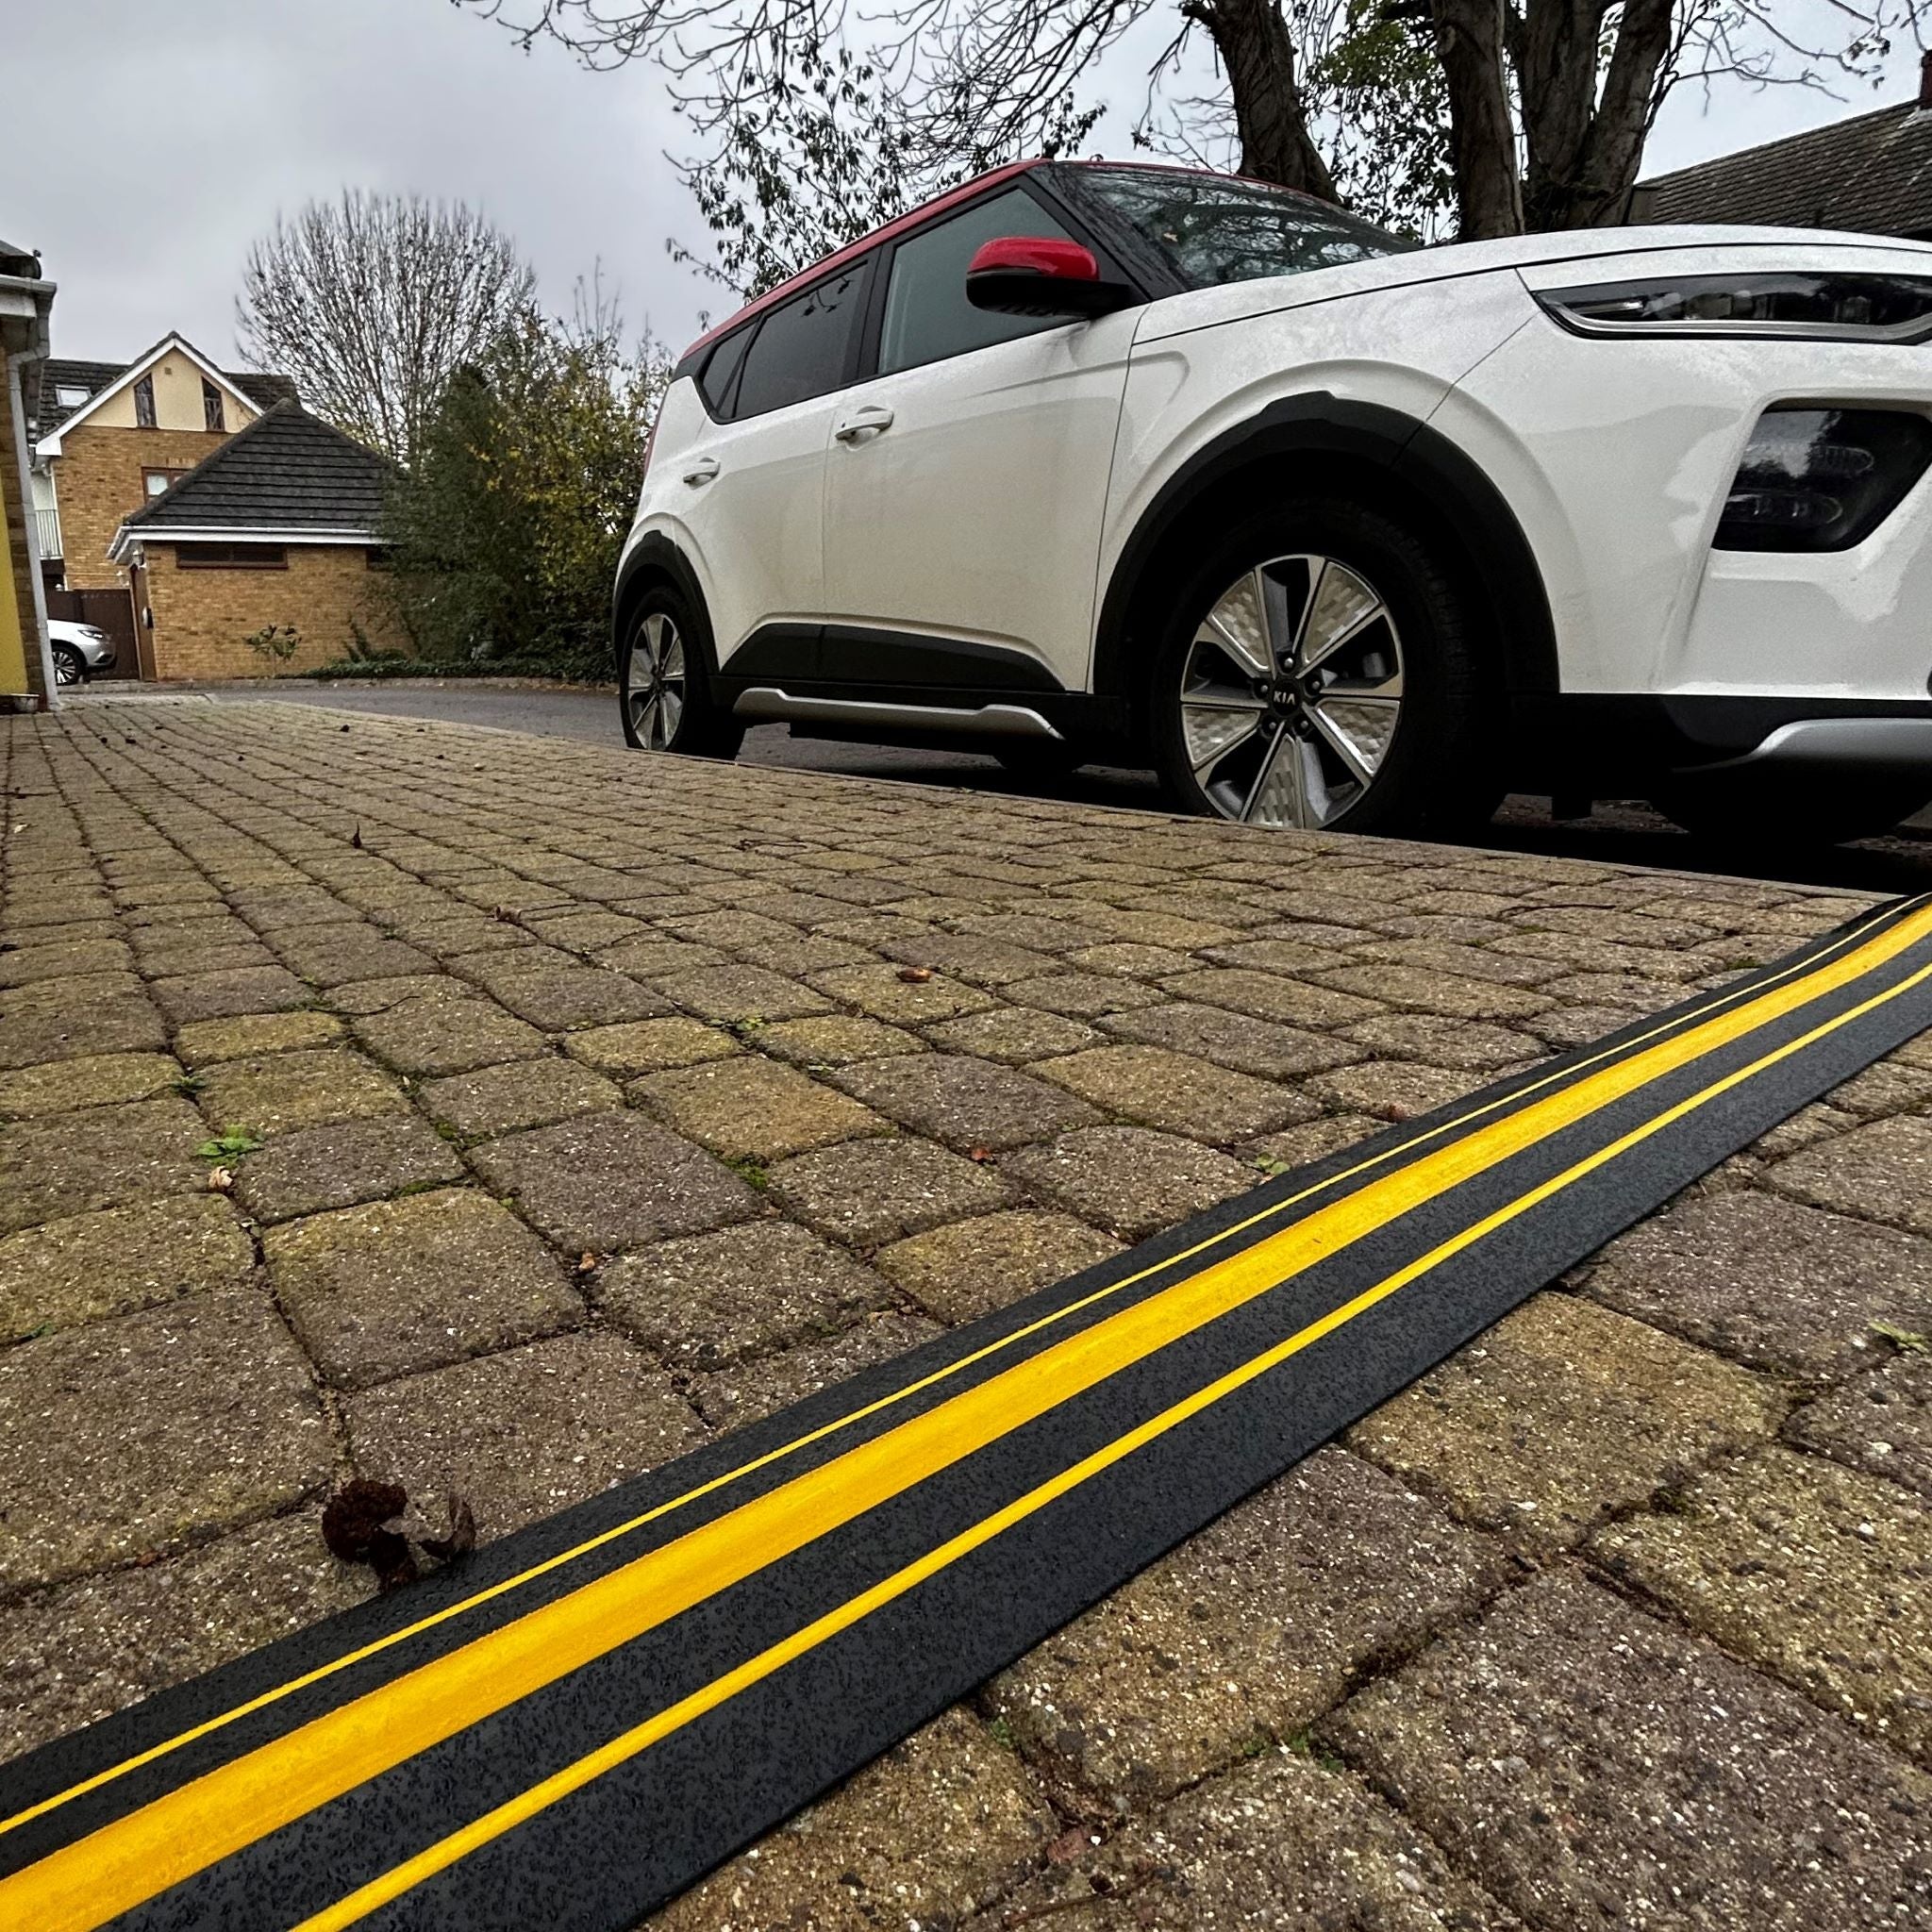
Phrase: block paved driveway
(610, 1101)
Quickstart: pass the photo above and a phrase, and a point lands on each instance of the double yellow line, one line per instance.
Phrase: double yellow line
(188, 1829)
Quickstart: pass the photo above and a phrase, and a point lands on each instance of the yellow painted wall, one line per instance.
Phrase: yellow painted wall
(177, 400)
(16, 586)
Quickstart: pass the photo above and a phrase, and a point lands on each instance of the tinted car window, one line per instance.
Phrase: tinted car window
(803, 348)
(928, 315)
(1212, 229)
(719, 367)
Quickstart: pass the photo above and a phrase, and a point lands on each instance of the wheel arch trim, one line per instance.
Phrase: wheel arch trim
(1448, 481)
(655, 557)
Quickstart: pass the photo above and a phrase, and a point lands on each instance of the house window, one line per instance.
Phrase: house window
(70, 395)
(144, 402)
(211, 408)
(154, 481)
(230, 556)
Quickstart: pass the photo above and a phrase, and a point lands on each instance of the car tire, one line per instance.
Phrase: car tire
(664, 691)
(70, 667)
(1316, 669)
(1749, 815)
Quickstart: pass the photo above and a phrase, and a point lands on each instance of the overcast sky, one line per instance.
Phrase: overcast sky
(166, 136)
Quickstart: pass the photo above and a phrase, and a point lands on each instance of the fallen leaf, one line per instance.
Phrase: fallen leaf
(586, 1263)
(461, 1539)
(915, 975)
(979, 1154)
(219, 1180)
(352, 1518)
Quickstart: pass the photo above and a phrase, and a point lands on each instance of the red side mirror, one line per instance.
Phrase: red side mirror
(1034, 275)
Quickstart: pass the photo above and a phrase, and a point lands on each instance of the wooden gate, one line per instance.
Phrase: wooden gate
(109, 610)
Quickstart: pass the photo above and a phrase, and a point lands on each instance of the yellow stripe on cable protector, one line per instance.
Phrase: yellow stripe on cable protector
(135, 1858)
(946, 1372)
(403, 1878)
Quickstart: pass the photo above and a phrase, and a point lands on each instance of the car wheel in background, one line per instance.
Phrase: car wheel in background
(1755, 810)
(70, 667)
(1316, 672)
(663, 693)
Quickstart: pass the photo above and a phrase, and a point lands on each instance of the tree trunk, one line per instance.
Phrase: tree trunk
(1258, 51)
(1489, 194)
(1584, 149)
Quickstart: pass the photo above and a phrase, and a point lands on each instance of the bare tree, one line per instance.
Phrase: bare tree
(1547, 103)
(374, 302)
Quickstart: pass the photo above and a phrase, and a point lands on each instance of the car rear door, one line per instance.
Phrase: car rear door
(967, 476)
(749, 488)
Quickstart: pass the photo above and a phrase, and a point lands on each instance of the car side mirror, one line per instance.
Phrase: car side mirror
(1028, 275)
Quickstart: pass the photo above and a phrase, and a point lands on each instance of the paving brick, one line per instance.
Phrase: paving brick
(221, 995)
(83, 1650)
(739, 993)
(1177, 1092)
(835, 1040)
(429, 1035)
(1428, 990)
(93, 1080)
(400, 1286)
(1082, 995)
(25, 965)
(612, 1182)
(522, 1435)
(314, 1169)
(1638, 1412)
(1816, 1573)
(972, 1267)
(63, 1164)
(557, 992)
(1880, 1422)
(939, 1824)
(752, 1108)
(334, 955)
(965, 1102)
(206, 1041)
(870, 1192)
(712, 1300)
(275, 1093)
(133, 1436)
(1882, 1172)
(1772, 1283)
(1391, 1090)
(1466, 1045)
(1244, 1634)
(881, 993)
(1282, 1842)
(1232, 1039)
(1268, 996)
(1129, 1179)
(65, 1273)
(649, 1046)
(74, 1022)
(1014, 1035)
(747, 1391)
(1592, 1766)
(519, 1093)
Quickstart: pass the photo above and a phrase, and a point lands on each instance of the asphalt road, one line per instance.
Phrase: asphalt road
(1622, 832)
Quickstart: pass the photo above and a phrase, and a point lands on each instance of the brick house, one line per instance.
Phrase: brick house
(1871, 173)
(26, 299)
(108, 434)
(278, 525)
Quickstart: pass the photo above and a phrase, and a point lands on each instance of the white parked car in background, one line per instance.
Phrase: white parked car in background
(1094, 461)
(78, 650)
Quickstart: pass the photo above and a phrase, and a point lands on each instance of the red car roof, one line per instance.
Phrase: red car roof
(853, 250)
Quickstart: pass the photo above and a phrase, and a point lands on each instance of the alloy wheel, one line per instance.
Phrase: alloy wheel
(654, 682)
(67, 667)
(1291, 692)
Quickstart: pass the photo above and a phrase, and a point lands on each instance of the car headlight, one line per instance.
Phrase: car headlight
(1849, 307)
(1823, 480)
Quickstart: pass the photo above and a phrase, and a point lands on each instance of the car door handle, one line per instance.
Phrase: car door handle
(867, 422)
(702, 471)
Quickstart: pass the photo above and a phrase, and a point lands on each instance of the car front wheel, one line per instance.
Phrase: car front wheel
(1316, 673)
(665, 696)
(70, 667)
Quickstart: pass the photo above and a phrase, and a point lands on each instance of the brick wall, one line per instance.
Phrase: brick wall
(97, 481)
(15, 559)
(203, 616)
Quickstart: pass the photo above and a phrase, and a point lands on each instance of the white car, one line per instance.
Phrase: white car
(78, 650)
(1093, 461)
